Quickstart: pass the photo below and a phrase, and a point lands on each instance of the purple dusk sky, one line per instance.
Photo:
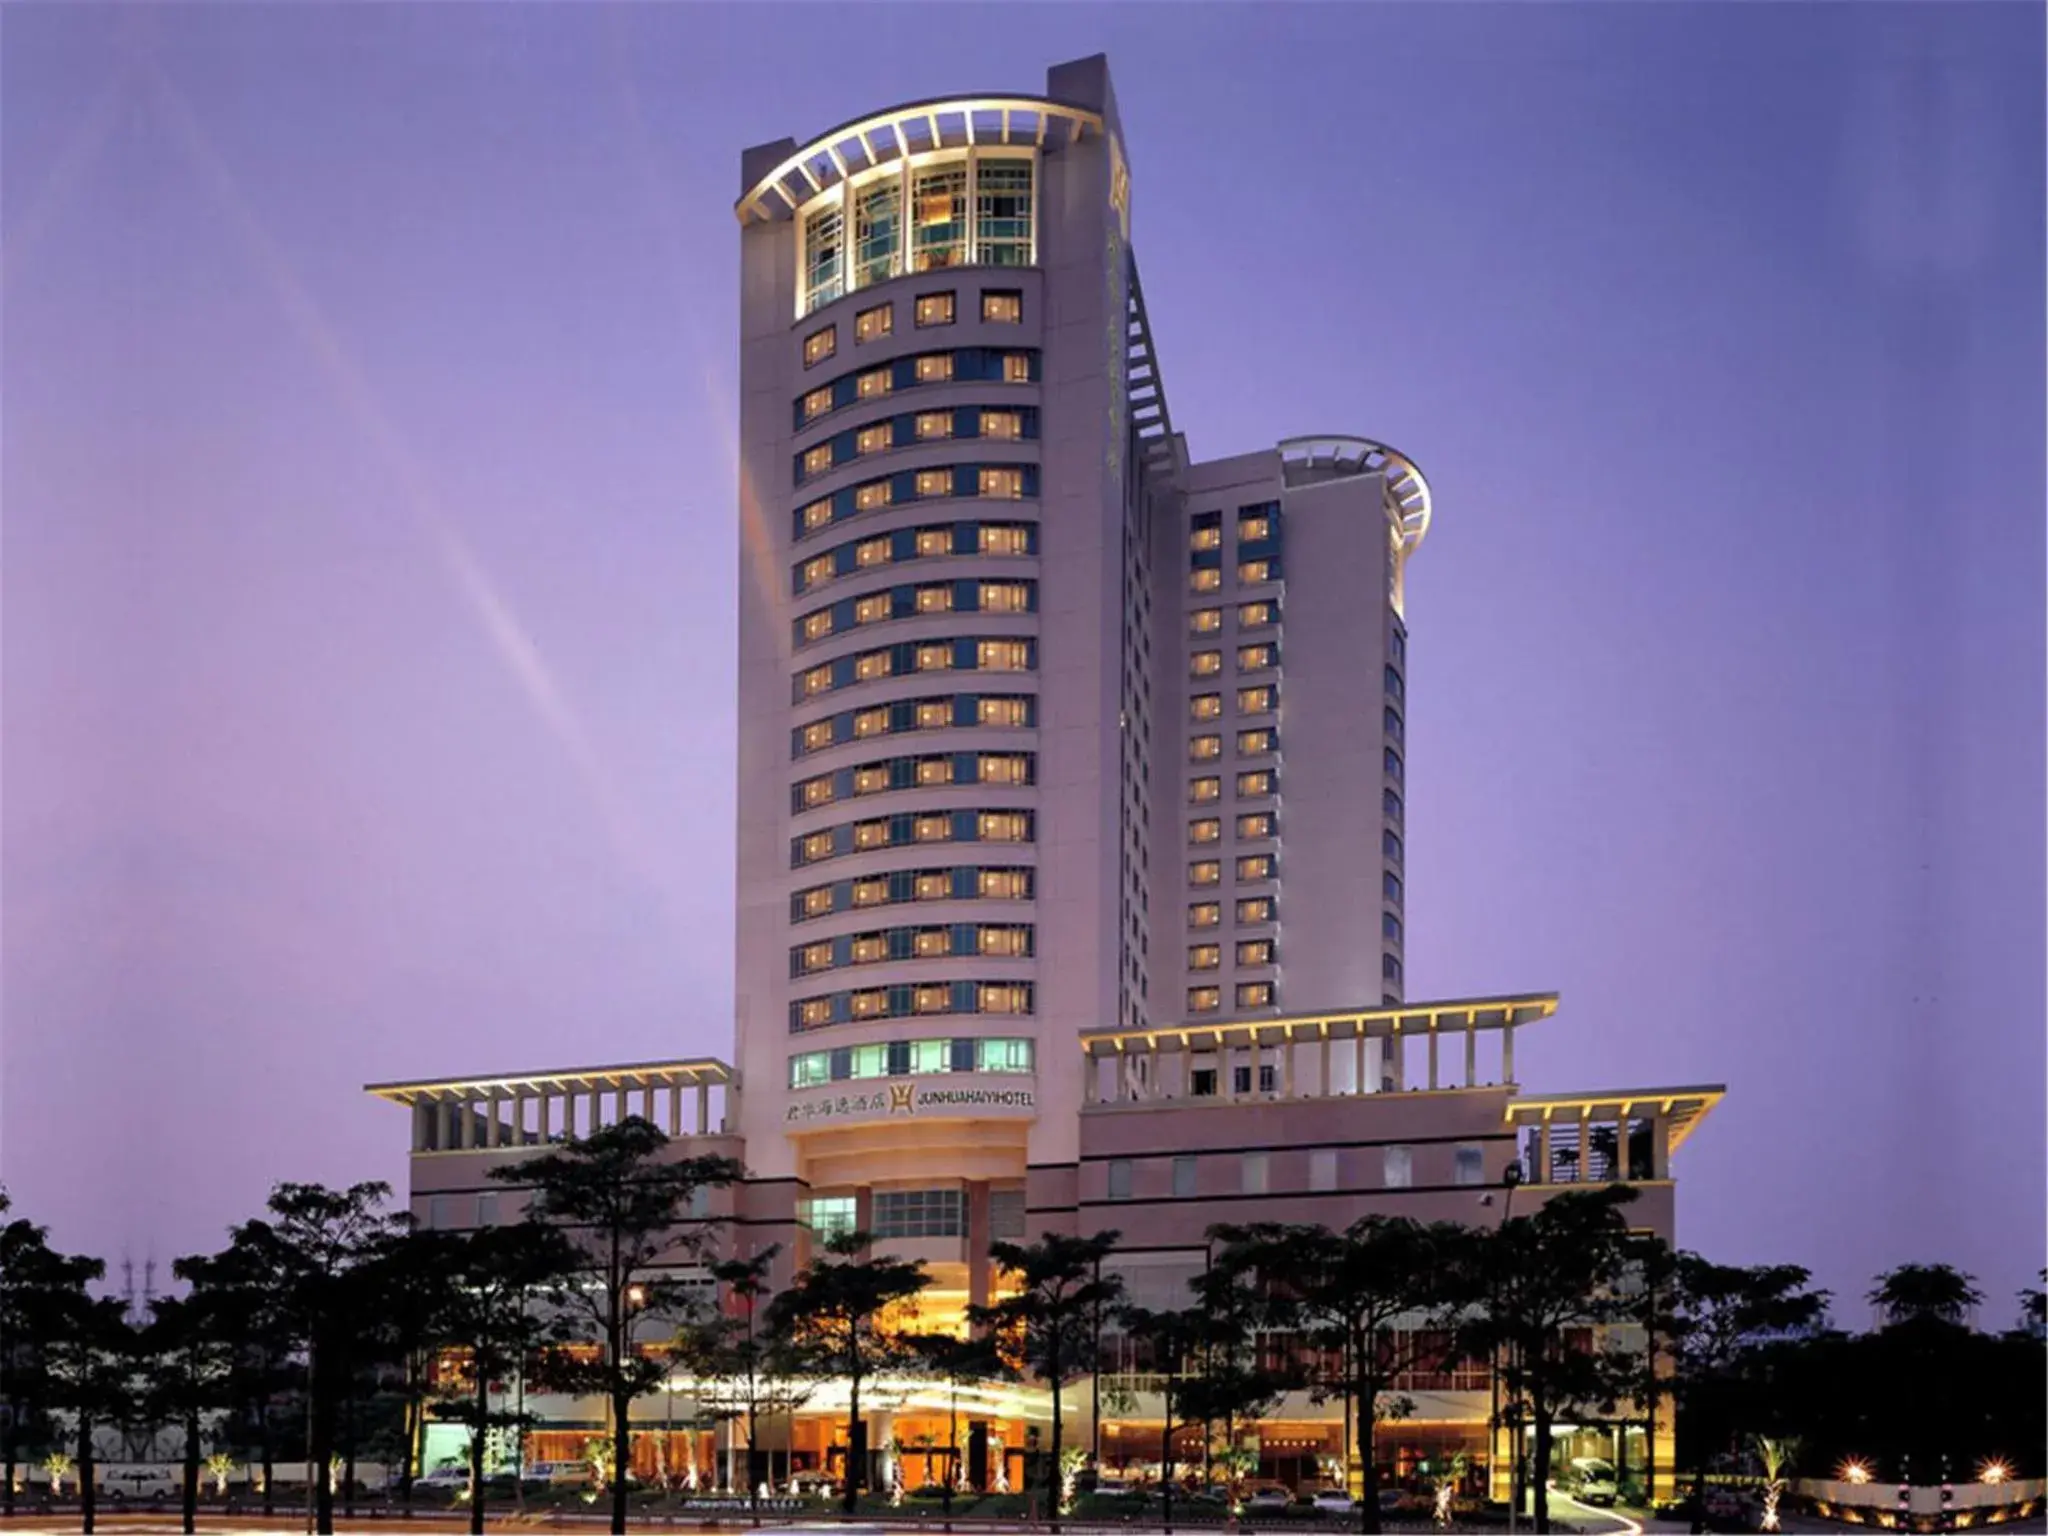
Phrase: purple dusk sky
(369, 380)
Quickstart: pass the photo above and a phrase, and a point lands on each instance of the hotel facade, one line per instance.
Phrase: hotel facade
(1069, 898)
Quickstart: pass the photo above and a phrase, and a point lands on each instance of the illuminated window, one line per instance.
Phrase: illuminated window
(817, 792)
(817, 403)
(871, 780)
(820, 345)
(1016, 368)
(1003, 826)
(816, 570)
(1206, 538)
(1205, 706)
(1254, 658)
(1004, 539)
(935, 658)
(1254, 701)
(932, 999)
(1002, 711)
(938, 212)
(995, 997)
(875, 383)
(1205, 663)
(937, 599)
(818, 625)
(1002, 307)
(868, 948)
(817, 846)
(1002, 424)
(1005, 884)
(1205, 872)
(817, 680)
(1256, 824)
(931, 943)
(1004, 655)
(817, 901)
(870, 893)
(935, 886)
(872, 495)
(871, 834)
(813, 1012)
(1004, 597)
(1010, 768)
(818, 514)
(1255, 615)
(1209, 787)
(935, 367)
(934, 714)
(1205, 914)
(871, 324)
(871, 552)
(875, 439)
(817, 734)
(1252, 571)
(1202, 748)
(935, 309)
(934, 482)
(934, 541)
(1201, 957)
(1255, 866)
(933, 424)
(1398, 1167)
(871, 722)
(1006, 941)
(1205, 580)
(817, 460)
(1255, 952)
(1255, 909)
(1207, 830)
(1254, 994)
(1252, 529)
(1205, 621)
(1204, 999)
(869, 1005)
(1002, 212)
(1254, 743)
(873, 665)
(1258, 782)
(932, 829)
(872, 608)
(934, 770)
(1005, 483)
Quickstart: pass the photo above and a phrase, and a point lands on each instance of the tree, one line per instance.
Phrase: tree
(1915, 1293)
(1342, 1294)
(958, 1362)
(1546, 1286)
(1652, 1268)
(844, 1316)
(1719, 1316)
(2034, 1309)
(90, 1353)
(308, 1251)
(1169, 1342)
(1234, 1384)
(188, 1345)
(629, 1210)
(250, 1279)
(1777, 1457)
(411, 1278)
(750, 1372)
(490, 1314)
(35, 1282)
(1048, 1321)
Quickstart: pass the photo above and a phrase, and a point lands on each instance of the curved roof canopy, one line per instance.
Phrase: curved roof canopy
(1306, 460)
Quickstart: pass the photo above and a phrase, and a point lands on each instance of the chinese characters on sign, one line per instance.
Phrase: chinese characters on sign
(909, 1099)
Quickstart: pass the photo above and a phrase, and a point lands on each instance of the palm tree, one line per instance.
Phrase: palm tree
(1925, 1292)
(1776, 1455)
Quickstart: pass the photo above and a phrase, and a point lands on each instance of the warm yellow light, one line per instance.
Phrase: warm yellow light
(1994, 1472)
(1854, 1471)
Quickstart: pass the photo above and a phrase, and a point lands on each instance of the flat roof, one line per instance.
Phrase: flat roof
(703, 1070)
(1685, 1107)
(1511, 1010)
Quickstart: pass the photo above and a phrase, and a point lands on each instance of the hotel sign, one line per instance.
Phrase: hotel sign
(915, 1100)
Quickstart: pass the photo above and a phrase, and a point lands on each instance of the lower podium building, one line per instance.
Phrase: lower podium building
(920, 1143)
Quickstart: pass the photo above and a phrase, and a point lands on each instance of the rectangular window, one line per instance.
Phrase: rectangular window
(1255, 952)
(1259, 781)
(1255, 994)
(817, 403)
(1003, 655)
(874, 384)
(1253, 528)
(1004, 426)
(1208, 580)
(1399, 1167)
(1205, 872)
(876, 439)
(1002, 711)
(815, 571)
(1255, 701)
(1255, 615)
(1011, 769)
(1006, 1214)
(1203, 957)
(1392, 764)
(1393, 682)
(872, 552)
(1205, 663)
(1184, 1177)
(873, 324)
(1005, 884)
(1004, 597)
(934, 424)
(1205, 914)
(829, 1215)
(935, 309)
(1016, 368)
(871, 609)
(934, 483)
(918, 1213)
(933, 887)
(1002, 306)
(1390, 803)
(1206, 538)
(1390, 927)
(1005, 539)
(1002, 482)
(1467, 1166)
(817, 514)
(934, 541)
(824, 257)
(820, 345)
(817, 460)
(1254, 658)
(1254, 743)
(938, 203)
(877, 240)
(817, 680)
(1251, 572)
(1205, 621)
(1003, 826)
(1205, 706)
(1208, 829)
(1002, 213)
(1256, 1168)
(866, 498)
(1255, 909)
(1390, 885)
(1322, 1168)
(1000, 997)
(935, 368)
(1255, 866)
(1119, 1178)
(1207, 788)
(817, 625)
(1204, 999)
(1255, 824)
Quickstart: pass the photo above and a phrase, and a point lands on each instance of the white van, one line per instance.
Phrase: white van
(138, 1482)
(1592, 1480)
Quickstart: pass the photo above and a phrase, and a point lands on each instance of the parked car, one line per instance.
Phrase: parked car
(1590, 1480)
(1334, 1501)
(1268, 1497)
(139, 1482)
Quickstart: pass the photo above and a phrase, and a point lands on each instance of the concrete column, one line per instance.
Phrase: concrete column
(1471, 1053)
(703, 1109)
(1507, 1053)
(467, 1123)
(494, 1125)
(675, 1109)
(1123, 1077)
(422, 1127)
(520, 1098)
(1543, 1151)
(1358, 1054)
(1432, 1052)
(1286, 1067)
(647, 1112)
(624, 1105)
(1660, 1151)
(544, 1116)
(1323, 1085)
(1585, 1149)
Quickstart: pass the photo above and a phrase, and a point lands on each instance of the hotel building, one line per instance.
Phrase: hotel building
(1069, 897)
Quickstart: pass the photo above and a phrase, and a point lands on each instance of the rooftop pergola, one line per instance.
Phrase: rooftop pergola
(916, 128)
(480, 1113)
